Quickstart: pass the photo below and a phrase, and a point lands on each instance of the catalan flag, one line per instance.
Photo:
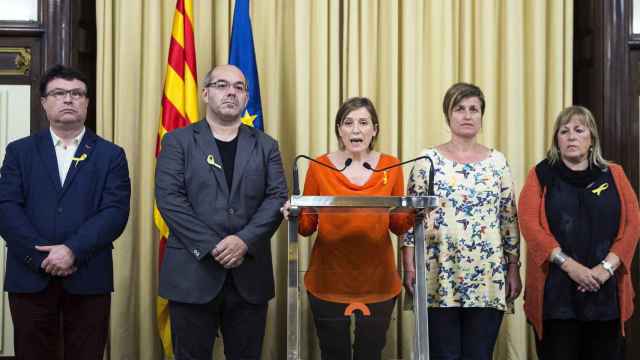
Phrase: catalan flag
(179, 108)
(243, 55)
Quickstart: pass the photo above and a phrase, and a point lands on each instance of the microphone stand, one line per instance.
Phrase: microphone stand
(296, 177)
(431, 174)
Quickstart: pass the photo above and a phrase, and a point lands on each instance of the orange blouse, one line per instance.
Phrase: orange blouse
(352, 258)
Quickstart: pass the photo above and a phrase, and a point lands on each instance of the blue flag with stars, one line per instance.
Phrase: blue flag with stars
(243, 55)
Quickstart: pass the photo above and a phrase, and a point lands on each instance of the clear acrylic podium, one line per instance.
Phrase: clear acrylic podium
(420, 205)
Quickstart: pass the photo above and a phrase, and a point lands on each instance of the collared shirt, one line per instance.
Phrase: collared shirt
(65, 153)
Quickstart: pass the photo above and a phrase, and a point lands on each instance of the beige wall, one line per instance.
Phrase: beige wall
(14, 124)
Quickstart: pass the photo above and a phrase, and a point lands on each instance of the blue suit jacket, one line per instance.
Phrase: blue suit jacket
(86, 213)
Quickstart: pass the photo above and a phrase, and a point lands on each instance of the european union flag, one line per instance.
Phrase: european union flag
(243, 55)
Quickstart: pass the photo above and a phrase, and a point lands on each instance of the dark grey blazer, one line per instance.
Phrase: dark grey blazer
(200, 210)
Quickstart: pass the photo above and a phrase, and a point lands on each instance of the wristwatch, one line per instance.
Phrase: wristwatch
(559, 258)
(607, 266)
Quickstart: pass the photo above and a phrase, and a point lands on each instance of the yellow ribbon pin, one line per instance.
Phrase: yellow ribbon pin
(385, 178)
(82, 157)
(600, 189)
(212, 161)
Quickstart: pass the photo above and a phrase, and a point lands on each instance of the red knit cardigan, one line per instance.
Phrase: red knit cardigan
(540, 242)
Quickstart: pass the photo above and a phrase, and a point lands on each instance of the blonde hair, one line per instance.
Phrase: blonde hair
(585, 116)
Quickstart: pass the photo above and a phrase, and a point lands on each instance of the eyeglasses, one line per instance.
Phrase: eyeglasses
(60, 94)
(225, 85)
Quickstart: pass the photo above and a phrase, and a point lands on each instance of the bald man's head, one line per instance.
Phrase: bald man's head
(225, 93)
(224, 68)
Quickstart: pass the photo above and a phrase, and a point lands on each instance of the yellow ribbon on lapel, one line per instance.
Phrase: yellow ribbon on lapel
(600, 189)
(82, 157)
(385, 178)
(212, 161)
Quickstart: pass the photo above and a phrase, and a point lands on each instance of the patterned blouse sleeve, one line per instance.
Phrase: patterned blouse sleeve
(416, 186)
(508, 215)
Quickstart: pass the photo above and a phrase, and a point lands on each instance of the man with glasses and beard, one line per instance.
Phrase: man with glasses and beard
(219, 187)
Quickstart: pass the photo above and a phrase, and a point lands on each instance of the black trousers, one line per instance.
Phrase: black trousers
(333, 329)
(53, 324)
(194, 327)
(463, 333)
(580, 340)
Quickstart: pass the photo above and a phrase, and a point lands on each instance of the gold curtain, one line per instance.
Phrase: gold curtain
(312, 55)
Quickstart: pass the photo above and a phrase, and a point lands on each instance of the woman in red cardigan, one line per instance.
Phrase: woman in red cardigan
(580, 218)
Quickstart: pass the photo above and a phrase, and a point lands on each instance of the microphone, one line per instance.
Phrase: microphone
(429, 188)
(296, 180)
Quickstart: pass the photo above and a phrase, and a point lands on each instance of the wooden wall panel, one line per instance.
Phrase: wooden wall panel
(64, 34)
(606, 80)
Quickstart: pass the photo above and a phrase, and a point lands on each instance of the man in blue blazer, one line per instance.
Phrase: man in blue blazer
(64, 198)
(219, 187)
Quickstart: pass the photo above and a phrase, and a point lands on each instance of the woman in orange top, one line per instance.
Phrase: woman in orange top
(352, 260)
(580, 218)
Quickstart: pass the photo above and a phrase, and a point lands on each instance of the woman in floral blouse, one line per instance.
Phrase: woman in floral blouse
(473, 244)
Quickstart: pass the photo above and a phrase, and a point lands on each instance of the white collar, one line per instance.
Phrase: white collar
(58, 141)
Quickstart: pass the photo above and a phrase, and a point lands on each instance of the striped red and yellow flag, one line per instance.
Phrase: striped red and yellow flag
(179, 108)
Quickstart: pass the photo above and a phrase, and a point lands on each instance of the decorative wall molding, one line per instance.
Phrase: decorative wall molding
(15, 60)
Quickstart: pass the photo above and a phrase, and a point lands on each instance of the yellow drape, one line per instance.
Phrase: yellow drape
(313, 54)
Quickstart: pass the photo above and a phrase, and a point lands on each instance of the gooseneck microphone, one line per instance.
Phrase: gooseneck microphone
(296, 180)
(429, 188)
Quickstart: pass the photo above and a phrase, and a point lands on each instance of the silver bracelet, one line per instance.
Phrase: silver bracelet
(559, 258)
(607, 266)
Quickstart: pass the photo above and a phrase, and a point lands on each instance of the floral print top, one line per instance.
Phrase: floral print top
(470, 234)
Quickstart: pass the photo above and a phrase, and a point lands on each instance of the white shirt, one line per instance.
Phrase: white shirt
(65, 153)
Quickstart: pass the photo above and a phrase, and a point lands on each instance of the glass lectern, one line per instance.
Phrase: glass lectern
(419, 205)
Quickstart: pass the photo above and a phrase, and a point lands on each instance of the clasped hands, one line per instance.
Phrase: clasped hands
(587, 279)
(59, 261)
(230, 252)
